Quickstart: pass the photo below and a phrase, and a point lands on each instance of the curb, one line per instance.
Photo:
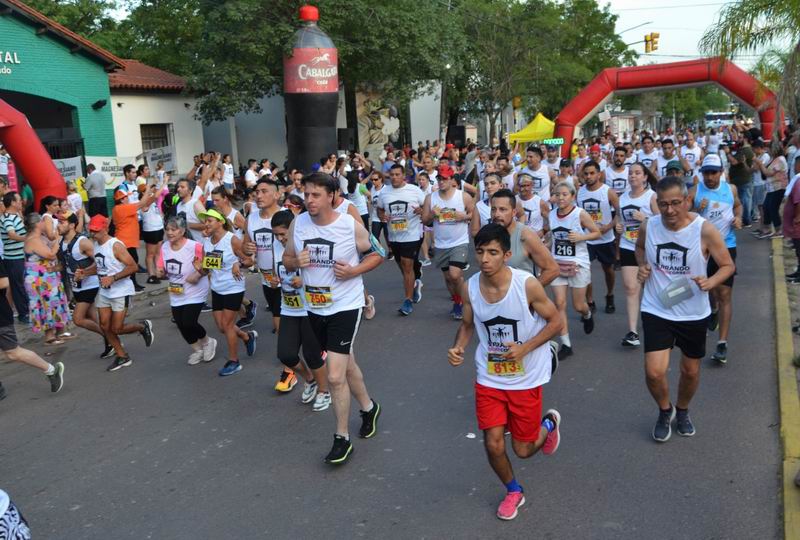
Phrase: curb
(788, 397)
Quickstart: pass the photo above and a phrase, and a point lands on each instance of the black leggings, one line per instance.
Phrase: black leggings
(796, 246)
(772, 209)
(377, 227)
(135, 256)
(294, 332)
(186, 318)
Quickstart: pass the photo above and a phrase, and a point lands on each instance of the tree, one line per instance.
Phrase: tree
(752, 25)
(90, 18)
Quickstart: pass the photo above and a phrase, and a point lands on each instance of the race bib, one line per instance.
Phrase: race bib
(447, 215)
(596, 216)
(631, 232)
(564, 248)
(292, 301)
(319, 297)
(398, 224)
(501, 367)
(213, 260)
(175, 288)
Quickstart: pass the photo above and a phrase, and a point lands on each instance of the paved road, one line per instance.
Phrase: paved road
(167, 451)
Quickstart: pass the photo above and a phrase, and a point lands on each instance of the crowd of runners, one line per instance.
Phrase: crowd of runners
(659, 209)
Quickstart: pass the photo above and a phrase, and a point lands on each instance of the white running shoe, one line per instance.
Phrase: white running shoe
(309, 392)
(369, 311)
(322, 401)
(210, 350)
(195, 357)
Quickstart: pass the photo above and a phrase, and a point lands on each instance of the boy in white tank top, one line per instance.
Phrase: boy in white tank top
(515, 321)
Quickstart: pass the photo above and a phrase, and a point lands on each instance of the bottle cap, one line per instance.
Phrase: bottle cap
(309, 13)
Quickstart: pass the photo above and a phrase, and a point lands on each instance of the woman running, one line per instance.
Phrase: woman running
(424, 183)
(636, 205)
(187, 288)
(571, 227)
(222, 253)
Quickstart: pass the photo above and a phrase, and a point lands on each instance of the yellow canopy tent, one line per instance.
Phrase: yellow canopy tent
(539, 129)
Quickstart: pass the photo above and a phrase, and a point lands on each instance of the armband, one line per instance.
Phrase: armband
(374, 247)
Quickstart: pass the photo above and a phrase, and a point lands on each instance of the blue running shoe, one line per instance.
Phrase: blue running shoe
(458, 311)
(250, 344)
(406, 308)
(230, 368)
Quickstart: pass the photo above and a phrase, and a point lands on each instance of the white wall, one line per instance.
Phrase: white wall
(425, 112)
(131, 110)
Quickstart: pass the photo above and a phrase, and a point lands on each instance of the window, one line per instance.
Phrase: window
(155, 135)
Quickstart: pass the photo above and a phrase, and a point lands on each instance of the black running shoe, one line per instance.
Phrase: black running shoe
(342, 448)
(244, 323)
(683, 424)
(721, 354)
(206, 308)
(138, 288)
(662, 431)
(119, 363)
(564, 352)
(57, 378)
(369, 421)
(588, 324)
(713, 321)
(147, 332)
(610, 307)
(592, 306)
(250, 311)
(108, 352)
(2, 392)
(631, 339)
(553, 357)
(794, 275)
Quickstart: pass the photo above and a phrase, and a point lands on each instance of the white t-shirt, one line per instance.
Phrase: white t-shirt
(4, 164)
(250, 178)
(399, 204)
(758, 179)
(75, 201)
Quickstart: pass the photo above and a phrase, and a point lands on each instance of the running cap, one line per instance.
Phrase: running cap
(120, 194)
(674, 165)
(711, 163)
(445, 171)
(595, 148)
(98, 223)
(212, 213)
(565, 162)
(550, 147)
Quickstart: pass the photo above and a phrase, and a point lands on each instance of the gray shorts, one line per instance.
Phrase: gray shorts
(116, 304)
(8, 338)
(456, 256)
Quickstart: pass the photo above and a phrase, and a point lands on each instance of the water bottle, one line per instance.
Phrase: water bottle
(311, 93)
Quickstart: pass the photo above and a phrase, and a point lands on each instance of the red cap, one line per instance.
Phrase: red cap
(448, 146)
(120, 194)
(595, 148)
(98, 222)
(445, 171)
(309, 13)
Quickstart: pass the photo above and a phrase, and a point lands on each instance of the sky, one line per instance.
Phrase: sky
(681, 26)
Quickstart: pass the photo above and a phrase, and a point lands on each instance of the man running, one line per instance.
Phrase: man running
(450, 209)
(672, 251)
(718, 202)
(542, 175)
(400, 205)
(527, 250)
(616, 176)
(602, 204)
(647, 154)
(514, 320)
(333, 250)
(535, 208)
(113, 264)
(663, 160)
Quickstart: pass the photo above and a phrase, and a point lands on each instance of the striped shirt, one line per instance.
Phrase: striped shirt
(12, 249)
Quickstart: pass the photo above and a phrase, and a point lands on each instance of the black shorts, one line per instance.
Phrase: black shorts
(336, 333)
(627, 257)
(406, 250)
(712, 267)
(8, 338)
(273, 298)
(153, 237)
(85, 297)
(660, 334)
(231, 302)
(605, 253)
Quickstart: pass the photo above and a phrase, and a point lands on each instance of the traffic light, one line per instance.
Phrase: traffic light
(648, 44)
(654, 40)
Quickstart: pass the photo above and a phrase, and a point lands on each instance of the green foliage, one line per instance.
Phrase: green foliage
(690, 104)
(89, 18)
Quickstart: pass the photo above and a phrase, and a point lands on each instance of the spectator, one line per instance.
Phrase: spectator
(3, 164)
(777, 178)
(250, 175)
(126, 222)
(13, 237)
(740, 174)
(49, 208)
(95, 187)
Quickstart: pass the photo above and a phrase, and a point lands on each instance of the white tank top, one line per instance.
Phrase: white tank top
(484, 212)
(108, 265)
(533, 212)
(596, 204)
(342, 208)
(187, 209)
(628, 205)
(672, 255)
(561, 248)
(178, 265)
(541, 180)
(231, 217)
(661, 165)
(227, 173)
(618, 181)
(152, 219)
(222, 280)
(509, 320)
(373, 212)
(87, 283)
(292, 303)
(647, 159)
(359, 200)
(324, 293)
(260, 232)
(447, 232)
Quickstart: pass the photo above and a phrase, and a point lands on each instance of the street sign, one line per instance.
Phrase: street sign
(559, 140)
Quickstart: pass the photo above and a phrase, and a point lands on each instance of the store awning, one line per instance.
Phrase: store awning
(539, 129)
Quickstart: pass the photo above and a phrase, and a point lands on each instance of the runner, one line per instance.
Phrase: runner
(514, 359)
(596, 155)
(691, 156)
(527, 250)
(425, 185)
(376, 225)
(672, 251)
(616, 176)
(542, 176)
(647, 154)
(553, 161)
(663, 160)
(222, 255)
(636, 205)
(187, 288)
(79, 254)
(718, 202)
(113, 264)
(602, 205)
(492, 184)
(190, 206)
(295, 330)
(449, 210)
(334, 297)
(571, 228)
(344, 206)
(400, 205)
(536, 210)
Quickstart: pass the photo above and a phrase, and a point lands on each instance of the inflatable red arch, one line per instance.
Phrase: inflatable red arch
(29, 155)
(674, 75)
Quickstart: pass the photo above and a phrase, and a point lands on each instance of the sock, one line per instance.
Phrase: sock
(588, 315)
(346, 436)
(196, 346)
(565, 340)
(513, 486)
(548, 425)
(371, 404)
(722, 342)
(457, 299)
(681, 411)
(50, 370)
(669, 409)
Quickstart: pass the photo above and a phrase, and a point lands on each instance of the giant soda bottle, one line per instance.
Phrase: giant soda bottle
(311, 93)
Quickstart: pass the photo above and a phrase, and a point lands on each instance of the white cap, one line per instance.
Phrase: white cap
(711, 163)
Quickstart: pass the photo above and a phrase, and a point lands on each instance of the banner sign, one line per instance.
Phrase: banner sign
(111, 168)
(165, 154)
(554, 142)
(70, 168)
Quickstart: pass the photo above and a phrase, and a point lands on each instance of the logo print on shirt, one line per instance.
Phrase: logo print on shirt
(100, 261)
(398, 208)
(263, 239)
(628, 211)
(320, 251)
(672, 258)
(501, 331)
(173, 267)
(592, 207)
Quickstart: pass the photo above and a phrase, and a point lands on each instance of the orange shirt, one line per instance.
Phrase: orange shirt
(126, 223)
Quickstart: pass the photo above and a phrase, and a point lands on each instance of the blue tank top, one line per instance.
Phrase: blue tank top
(718, 209)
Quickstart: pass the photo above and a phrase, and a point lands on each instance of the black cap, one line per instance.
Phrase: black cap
(565, 162)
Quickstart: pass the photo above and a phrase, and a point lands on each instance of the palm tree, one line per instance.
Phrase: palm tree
(750, 26)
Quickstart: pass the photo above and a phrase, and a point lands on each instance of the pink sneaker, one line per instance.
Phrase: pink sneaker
(508, 508)
(554, 437)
